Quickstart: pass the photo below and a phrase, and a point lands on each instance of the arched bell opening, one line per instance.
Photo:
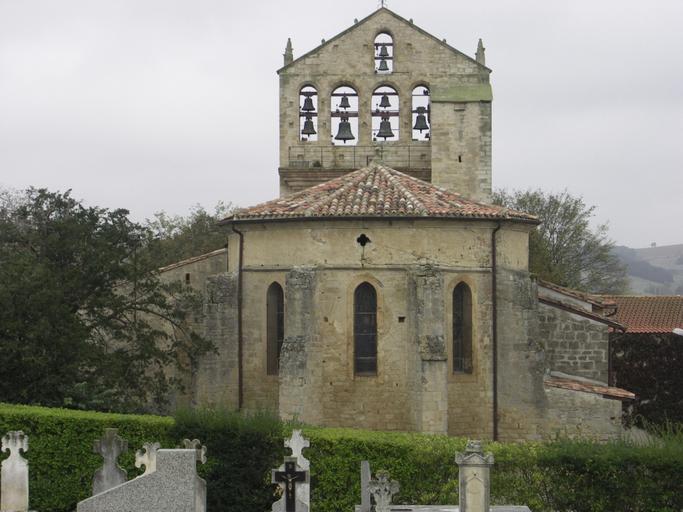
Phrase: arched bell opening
(308, 114)
(421, 114)
(344, 116)
(384, 53)
(385, 114)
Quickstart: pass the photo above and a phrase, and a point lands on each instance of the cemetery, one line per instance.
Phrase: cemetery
(58, 460)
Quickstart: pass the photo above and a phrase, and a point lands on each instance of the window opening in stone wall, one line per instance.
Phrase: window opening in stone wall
(462, 329)
(384, 53)
(275, 326)
(385, 114)
(308, 114)
(421, 112)
(365, 329)
(344, 116)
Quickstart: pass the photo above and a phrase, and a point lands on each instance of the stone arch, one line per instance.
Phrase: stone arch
(344, 103)
(385, 107)
(384, 52)
(421, 109)
(308, 113)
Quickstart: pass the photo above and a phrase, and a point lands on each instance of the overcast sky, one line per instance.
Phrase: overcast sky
(162, 104)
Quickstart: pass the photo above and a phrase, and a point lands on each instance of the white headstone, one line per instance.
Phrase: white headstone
(474, 478)
(110, 474)
(14, 473)
(382, 491)
(365, 475)
(296, 443)
(147, 457)
(173, 487)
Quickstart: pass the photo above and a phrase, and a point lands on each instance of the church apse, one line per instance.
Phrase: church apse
(387, 91)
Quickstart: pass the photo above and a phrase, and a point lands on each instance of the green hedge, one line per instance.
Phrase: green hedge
(558, 476)
(60, 454)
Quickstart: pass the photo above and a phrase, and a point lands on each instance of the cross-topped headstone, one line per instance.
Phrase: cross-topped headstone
(382, 490)
(147, 457)
(296, 443)
(365, 501)
(290, 477)
(110, 447)
(196, 445)
(14, 473)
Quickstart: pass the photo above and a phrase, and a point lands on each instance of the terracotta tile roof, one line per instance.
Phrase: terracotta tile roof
(596, 300)
(194, 259)
(611, 321)
(376, 191)
(589, 387)
(649, 314)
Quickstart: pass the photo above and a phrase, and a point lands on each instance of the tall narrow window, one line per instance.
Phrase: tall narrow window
(385, 114)
(384, 53)
(462, 329)
(421, 113)
(365, 329)
(344, 114)
(275, 330)
(308, 113)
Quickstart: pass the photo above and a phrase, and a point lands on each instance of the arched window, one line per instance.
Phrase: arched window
(385, 114)
(365, 329)
(275, 329)
(421, 121)
(308, 113)
(344, 114)
(384, 53)
(462, 329)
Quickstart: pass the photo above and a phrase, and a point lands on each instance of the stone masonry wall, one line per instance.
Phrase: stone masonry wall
(574, 344)
(460, 148)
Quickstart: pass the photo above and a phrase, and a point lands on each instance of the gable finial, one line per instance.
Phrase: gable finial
(481, 56)
(383, 3)
(289, 52)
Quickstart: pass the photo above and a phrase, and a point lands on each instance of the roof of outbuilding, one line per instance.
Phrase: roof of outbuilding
(376, 191)
(649, 314)
(589, 387)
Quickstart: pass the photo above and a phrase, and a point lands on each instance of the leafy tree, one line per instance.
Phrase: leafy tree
(72, 280)
(183, 237)
(565, 249)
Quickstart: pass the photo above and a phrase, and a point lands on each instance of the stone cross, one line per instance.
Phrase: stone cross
(297, 443)
(196, 445)
(382, 490)
(365, 502)
(110, 474)
(474, 478)
(147, 457)
(14, 473)
(291, 478)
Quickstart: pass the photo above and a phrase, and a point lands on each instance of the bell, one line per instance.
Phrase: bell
(344, 103)
(309, 129)
(385, 129)
(383, 66)
(308, 105)
(383, 52)
(384, 102)
(421, 120)
(344, 132)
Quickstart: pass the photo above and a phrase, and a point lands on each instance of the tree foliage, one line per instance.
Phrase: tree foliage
(182, 237)
(72, 280)
(565, 249)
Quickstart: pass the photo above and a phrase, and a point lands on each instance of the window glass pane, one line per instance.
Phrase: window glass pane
(365, 329)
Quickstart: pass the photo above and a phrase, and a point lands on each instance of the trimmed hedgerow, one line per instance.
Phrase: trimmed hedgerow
(560, 476)
(61, 458)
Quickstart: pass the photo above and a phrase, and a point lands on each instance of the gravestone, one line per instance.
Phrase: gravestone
(147, 457)
(293, 477)
(110, 474)
(173, 487)
(296, 443)
(474, 487)
(14, 473)
(382, 491)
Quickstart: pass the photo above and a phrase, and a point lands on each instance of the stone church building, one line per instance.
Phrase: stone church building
(382, 290)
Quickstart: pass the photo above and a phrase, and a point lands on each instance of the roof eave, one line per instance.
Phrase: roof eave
(260, 220)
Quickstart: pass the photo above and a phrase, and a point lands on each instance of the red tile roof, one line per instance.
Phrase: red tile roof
(649, 314)
(589, 387)
(376, 191)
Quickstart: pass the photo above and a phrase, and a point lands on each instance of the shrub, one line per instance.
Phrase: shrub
(61, 458)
